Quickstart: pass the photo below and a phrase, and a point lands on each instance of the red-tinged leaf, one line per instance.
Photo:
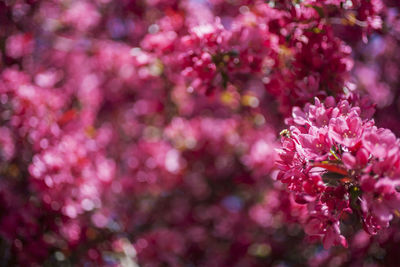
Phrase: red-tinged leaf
(67, 116)
(332, 167)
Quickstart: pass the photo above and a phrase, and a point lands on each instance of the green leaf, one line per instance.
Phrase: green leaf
(319, 10)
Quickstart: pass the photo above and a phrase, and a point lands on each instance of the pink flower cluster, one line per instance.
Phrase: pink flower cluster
(145, 133)
(337, 162)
